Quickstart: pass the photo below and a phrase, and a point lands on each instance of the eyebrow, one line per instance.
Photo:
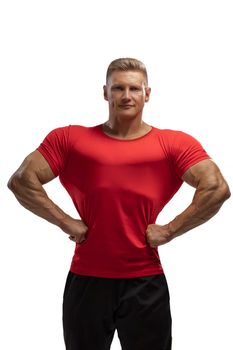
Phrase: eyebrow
(123, 84)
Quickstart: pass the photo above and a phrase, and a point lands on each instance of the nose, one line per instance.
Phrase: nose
(126, 94)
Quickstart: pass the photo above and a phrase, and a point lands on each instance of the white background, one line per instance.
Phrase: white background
(54, 55)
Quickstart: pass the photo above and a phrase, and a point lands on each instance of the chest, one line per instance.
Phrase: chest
(119, 165)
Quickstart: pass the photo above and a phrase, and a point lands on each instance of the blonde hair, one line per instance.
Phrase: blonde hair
(127, 64)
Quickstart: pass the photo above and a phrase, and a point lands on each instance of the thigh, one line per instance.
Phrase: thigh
(143, 316)
(87, 313)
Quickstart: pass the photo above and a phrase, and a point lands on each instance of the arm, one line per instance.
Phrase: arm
(27, 185)
(211, 192)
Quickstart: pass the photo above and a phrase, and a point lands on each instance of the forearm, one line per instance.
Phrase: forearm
(211, 192)
(205, 204)
(31, 195)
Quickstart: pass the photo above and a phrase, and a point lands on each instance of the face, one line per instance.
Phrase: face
(126, 93)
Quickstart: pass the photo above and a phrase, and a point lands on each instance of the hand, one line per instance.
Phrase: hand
(158, 235)
(76, 229)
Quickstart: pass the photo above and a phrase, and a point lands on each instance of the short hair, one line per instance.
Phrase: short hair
(127, 64)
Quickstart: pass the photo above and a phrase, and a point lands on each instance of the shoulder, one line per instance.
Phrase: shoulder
(176, 139)
(69, 134)
(171, 134)
(66, 131)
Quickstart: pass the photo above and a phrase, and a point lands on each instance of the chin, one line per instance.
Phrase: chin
(127, 116)
(127, 113)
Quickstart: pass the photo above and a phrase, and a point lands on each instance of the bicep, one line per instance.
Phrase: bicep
(205, 173)
(35, 165)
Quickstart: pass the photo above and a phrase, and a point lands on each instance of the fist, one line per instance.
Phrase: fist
(79, 233)
(76, 229)
(157, 235)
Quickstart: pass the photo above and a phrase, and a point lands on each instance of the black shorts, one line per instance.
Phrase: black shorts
(138, 308)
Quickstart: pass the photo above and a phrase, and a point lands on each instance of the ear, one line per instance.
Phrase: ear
(147, 96)
(105, 92)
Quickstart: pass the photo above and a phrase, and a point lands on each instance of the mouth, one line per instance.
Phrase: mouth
(126, 106)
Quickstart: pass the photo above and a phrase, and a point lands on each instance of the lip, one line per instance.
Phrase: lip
(126, 106)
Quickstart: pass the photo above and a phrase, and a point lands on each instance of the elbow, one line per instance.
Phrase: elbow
(224, 192)
(11, 184)
(228, 193)
(14, 183)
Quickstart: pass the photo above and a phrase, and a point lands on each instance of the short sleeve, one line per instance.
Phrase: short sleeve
(55, 148)
(185, 152)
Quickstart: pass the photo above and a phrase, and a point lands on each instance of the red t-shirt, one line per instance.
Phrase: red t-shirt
(119, 187)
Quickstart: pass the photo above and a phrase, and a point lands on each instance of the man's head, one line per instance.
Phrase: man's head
(126, 88)
(126, 64)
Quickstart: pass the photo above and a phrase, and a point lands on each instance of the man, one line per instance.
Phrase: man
(119, 174)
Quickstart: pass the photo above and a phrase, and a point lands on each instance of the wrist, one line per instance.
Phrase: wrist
(171, 232)
(64, 223)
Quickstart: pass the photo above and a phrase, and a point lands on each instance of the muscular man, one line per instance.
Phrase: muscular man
(119, 174)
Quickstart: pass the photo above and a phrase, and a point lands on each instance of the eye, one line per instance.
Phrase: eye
(118, 88)
(135, 88)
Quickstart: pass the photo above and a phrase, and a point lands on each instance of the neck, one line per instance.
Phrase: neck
(126, 128)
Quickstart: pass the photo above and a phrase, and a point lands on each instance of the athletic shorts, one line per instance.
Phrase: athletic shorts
(138, 308)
